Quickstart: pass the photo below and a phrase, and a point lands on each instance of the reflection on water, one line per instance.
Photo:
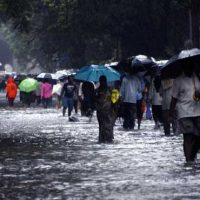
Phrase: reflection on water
(43, 156)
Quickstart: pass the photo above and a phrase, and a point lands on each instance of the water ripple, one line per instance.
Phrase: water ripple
(44, 156)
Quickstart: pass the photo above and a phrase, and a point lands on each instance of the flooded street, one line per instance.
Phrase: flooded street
(44, 156)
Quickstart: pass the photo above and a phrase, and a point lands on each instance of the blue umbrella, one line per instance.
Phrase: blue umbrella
(93, 73)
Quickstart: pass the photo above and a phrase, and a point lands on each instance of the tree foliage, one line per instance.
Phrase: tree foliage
(73, 33)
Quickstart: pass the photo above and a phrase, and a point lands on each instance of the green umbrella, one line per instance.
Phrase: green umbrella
(28, 85)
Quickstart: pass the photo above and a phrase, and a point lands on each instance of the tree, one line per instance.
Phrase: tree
(73, 33)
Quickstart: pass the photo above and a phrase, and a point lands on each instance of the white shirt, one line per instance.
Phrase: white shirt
(57, 89)
(129, 87)
(154, 96)
(183, 91)
(166, 93)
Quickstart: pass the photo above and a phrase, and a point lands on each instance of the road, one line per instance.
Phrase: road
(44, 156)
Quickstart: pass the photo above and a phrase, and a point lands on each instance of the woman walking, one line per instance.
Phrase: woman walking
(106, 111)
(11, 91)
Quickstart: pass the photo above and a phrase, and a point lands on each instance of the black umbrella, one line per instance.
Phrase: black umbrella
(47, 76)
(123, 65)
(173, 67)
(155, 70)
(135, 64)
(141, 63)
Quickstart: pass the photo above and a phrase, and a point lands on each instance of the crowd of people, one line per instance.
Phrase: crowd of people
(174, 103)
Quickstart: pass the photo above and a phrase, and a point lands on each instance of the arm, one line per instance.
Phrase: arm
(173, 105)
(7, 89)
(139, 85)
(62, 91)
(150, 94)
(122, 90)
(80, 93)
(41, 92)
(172, 108)
(175, 96)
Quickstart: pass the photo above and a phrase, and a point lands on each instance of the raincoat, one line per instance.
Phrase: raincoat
(11, 89)
(46, 90)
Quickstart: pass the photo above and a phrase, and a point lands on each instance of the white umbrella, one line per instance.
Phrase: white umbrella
(61, 74)
(46, 76)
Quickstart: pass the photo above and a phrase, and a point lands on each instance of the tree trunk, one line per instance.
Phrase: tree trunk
(196, 23)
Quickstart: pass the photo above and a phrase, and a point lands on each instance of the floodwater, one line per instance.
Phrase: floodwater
(44, 156)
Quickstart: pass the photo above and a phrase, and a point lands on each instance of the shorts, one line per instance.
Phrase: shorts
(190, 125)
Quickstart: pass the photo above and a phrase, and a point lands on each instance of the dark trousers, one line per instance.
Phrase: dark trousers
(76, 106)
(106, 120)
(157, 113)
(26, 98)
(191, 146)
(139, 112)
(46, 102)
(129, 115)
(87, 104)
(38, 100)
(167, 123)
(11, 102)
(68, 103)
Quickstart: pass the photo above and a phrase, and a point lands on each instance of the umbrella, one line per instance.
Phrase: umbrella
(61, 74)
(141, 63)
(156, 68)
(46, 76)
(173, 67)
(123, 65)
(28, 85)
(93, 73)
(135, 64)
(20, 77)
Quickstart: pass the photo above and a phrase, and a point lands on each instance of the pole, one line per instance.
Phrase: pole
(190, 24)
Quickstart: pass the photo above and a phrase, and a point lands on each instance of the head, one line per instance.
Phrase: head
(70, 79)
(103, 81)
(188, 67)
(157, 83)
(46, 80)
(10, 79)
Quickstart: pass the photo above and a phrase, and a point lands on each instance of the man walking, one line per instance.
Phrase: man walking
(130, 86)
(186, 95)
(67, 94)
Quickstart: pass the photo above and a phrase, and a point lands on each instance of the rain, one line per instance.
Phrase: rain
(44, 156)
(99, 100)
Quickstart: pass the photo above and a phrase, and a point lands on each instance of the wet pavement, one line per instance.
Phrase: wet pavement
(44, 156)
